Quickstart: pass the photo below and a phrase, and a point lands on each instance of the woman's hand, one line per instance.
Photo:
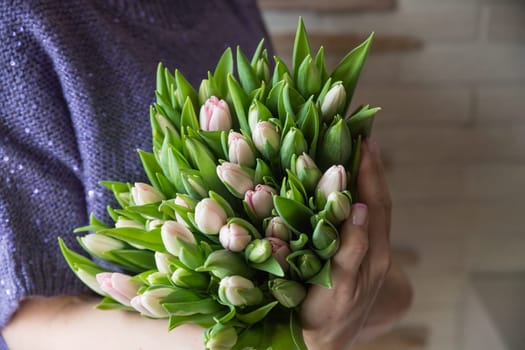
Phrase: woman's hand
(333, 318)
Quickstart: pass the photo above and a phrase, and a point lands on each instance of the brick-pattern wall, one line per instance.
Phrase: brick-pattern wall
(450, 76)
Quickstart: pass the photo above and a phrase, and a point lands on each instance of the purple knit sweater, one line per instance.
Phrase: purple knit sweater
(77, 78)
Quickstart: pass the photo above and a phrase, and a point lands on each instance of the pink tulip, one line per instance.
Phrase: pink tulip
(280, 250)
(235, 178)
(239, 151)
(172, 231)
(215, 115)
(234, 237)
(145, 194)
(333, 101)
(148, 303)
(333, 180)
(260, 200)
(209, 216)
(118, 286)
(183, 203)
(278, 229)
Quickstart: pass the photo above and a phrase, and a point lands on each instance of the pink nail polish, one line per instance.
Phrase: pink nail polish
(359, 214)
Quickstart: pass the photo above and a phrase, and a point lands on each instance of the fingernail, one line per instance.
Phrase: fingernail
(359, 214)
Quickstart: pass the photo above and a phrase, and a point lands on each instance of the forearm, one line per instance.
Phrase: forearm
(69, 321)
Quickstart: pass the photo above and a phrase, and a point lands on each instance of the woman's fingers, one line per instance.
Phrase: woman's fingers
(373, 191)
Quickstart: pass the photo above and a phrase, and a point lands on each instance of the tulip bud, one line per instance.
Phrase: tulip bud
(278, 229)
(164, 124)
(215, 115)
(336, 146)
(239, 151)
(333, 180)
(205, 91)
(280, 251)
(293, 143)
(172, 232)
(307, 172)
(325, 239)
(189, 279)
(266, 139)
(148, 303)
(260, 200)
(97, 244)
(222, 263)
(220, 337)
(235, 178)
(158, 278)
(333, 101)
(337, 207)
(258, 251)
(258, 112)
(289, 293)
(89, 279)
(234, 237)
(118, 286)
(209, 216)
(162, 261)
(239, 291)
(194, 185)
(308, 77)
(121, 223)
(262, 69)
(309, 265)
(145, 194)
(185, 202)
(153, 224)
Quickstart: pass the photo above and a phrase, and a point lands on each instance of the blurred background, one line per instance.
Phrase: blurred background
(450, 76)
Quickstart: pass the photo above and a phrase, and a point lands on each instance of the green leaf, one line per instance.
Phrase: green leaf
(323, 278)
(140, 259)
(147, 210)
(257, 314)
(270, 265)
(257, 53)
(188, 116)
(349, 69)
(241, 103)
(223, 69)
(246, 72)
(297, 332)
(213, 139)
(301, 47)
(151, 240)
(162, 87)
(294, 214)
(94, 225)
(361, 122)
(321, 64)
(108, 303)
(246, 224)
(198, 319)
(223, 203)
(203, 306)
(186, 89)
(151, 167)
(272, 101)
(299, 243)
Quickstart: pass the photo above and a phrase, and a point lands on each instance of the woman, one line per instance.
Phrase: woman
(77, 82)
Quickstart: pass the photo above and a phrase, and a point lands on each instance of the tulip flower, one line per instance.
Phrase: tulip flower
(222, 263)
(293, 143)
(118, 286)
(262, 69)
(148, 303)
(153, 224)
(122, 222)
(258, 251)
(189, 279)
(89, 279)
(162, 261)
(258, 112)
(234, 237)
(235, 178)
(333, 101)
(260, 200)
(337, 207)
(164, 124)
(308, 265)
(194, 184)
(333, 180)
(98, 244)
(325, 239)
(266, 138)
(185, 202)
(209, 216)
(308, 77)
(171, 232)
(280, 251)
(145, 194)
(215, 115)
(278, 229)
(336, 145)
(220, 337)
(239, 151)
(288, 293)
(307, 171)
(239, 291)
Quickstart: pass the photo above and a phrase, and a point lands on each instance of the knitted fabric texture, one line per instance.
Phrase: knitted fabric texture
(77, 81)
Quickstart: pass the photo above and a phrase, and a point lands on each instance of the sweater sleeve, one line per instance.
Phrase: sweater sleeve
(41, 191)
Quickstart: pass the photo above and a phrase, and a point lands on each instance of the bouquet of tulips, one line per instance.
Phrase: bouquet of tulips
(250, 178)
